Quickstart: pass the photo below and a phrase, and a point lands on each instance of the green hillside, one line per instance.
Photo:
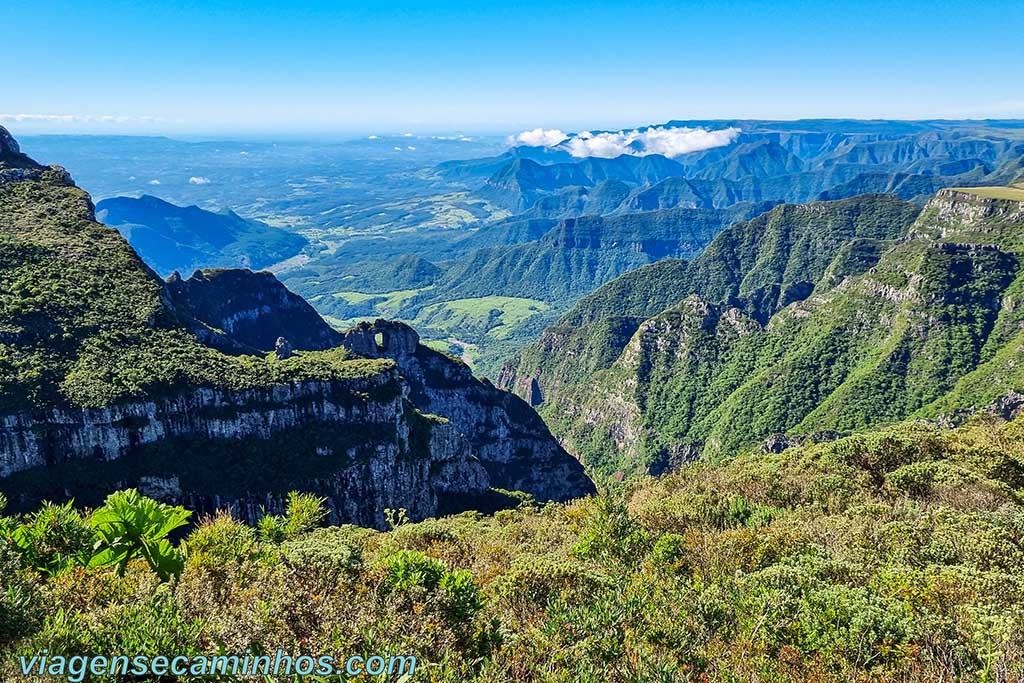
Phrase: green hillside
(83, 321)
(766, 262)
(822, 317)
(578, 255)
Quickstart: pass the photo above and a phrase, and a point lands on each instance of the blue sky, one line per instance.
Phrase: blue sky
(228, 66)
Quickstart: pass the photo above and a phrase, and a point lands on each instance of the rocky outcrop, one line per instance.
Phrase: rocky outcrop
(1006, 407)
(8, 145)
(283, 349)
(505, 434)
(15, 166)
(964, 215)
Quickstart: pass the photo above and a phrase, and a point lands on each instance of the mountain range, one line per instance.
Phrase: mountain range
(773, 161)
(481, 254)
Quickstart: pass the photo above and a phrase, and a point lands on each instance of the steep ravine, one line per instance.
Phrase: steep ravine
(106, 383)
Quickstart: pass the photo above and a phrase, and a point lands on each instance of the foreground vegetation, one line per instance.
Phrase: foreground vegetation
(896, 555)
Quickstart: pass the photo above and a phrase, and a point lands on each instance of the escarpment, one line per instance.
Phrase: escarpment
(359, 444)
(509, 438)
(111, 378)
(970, 215)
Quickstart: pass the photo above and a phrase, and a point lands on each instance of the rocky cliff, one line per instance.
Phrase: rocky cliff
(359, 444)
(975, 215)
(508, 437)
(106, 382)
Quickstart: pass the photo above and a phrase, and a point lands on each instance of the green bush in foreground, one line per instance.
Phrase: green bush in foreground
(896, 555)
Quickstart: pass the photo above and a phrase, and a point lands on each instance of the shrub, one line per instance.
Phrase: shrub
(669, 550)
(611, 533)
(303, 512)
(130, 525)
(406, 569)
(53, 539)
(219, 541)
(20, 605)
(532, 583)
(331, 550)
(462, 597)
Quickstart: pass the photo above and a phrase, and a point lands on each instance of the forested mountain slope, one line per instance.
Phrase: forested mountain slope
(832, 316)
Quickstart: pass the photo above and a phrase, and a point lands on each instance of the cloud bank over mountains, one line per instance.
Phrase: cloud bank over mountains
(670, 142)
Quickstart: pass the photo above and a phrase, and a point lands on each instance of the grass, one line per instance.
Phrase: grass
(498, 315)
(394, 300)
(1015, 193)
(355, 297)
(384, 303)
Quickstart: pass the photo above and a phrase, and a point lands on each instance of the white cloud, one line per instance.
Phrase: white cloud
(154, 182)
(406, 135)
(373, 137)
(198, 180)
(538, 137)
(398, 149)
(670, 142)
(411, 148)
(55, 118)
(76, 118)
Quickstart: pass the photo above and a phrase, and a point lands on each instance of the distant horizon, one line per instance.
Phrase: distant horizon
(18, 129)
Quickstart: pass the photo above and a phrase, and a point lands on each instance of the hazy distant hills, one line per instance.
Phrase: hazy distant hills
(781, 161)
(518, 184)
(170, 237)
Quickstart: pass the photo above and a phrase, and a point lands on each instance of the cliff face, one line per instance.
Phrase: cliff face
(360, 444)
(968, 215)
(508, 437)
